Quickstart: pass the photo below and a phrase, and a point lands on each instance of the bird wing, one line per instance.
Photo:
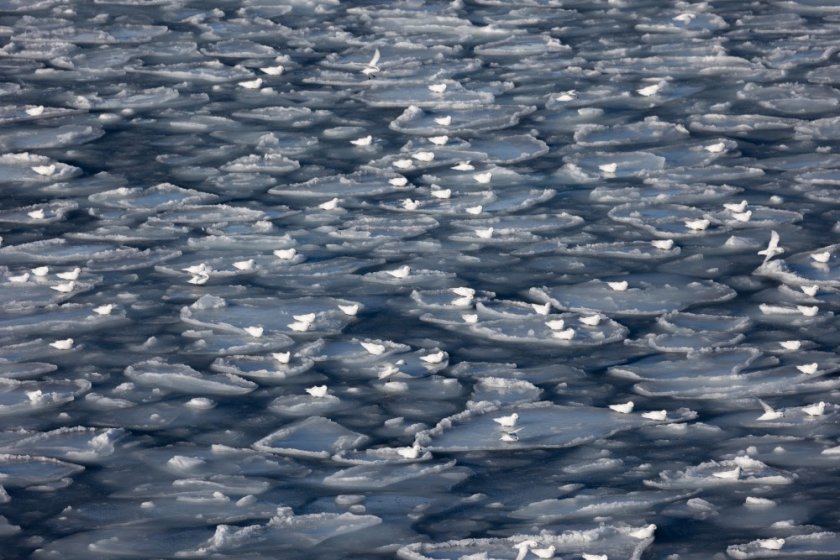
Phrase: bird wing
(375, 60)
(767, 408)
(774, 240)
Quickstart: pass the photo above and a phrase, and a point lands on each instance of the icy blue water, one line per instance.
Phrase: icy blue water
(464, 280)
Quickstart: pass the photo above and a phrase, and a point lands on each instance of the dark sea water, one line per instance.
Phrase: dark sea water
(452, 280)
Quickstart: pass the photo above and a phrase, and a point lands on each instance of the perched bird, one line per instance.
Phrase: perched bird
(541, 308)
(567, 334)
(474, 210)
(410, 204)
(272, 70)
(484, 233)
(736, 206)
(317, 391)
(822, 257)
(104, 309)
(624, 408)
(331, 204)
(771, 544)
(35, 110)
(64, 287)
(401, 272)
(619, 286)
(244, 265)
(463, 166)
(715, 148)
(65, 344)
(444, 121)
(810, 290)
(255, 331)
(285, 254)
(591, 320)
(816, 409)
(437, 88)
(791, 344)
(282, 357)
(36, 214)
(69, 274)
(658, 415)
(251, 84)
(19, 279)
(663, 244)
(650, 90)
(441, 193)
(556, 324)
(483, 178)
(424, 156)
(373, 348)
(608, 167)
(435, 358)
(808, 369)
(398, 181)
(349, 309)
(700, 224)
(439, 140)
(547, 552)
(507, 421)
(45, 170)
(365, 141)
(643, 533)
(41, 271)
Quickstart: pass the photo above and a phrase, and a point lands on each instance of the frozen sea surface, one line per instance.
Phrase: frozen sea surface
(471, 280)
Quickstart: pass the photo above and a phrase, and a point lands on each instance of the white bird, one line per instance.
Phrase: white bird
(282, 357)
(770, 413)
(441, 193)
(255, 331)
(821, 258)
(483, 178)
(736, 206)
(507, 421)
(541, 308)
(45, 170)
(331, 204)
(401, 272)
(643, 533)
(470, 318)
(273, 70)
(409, 452)
(371, 67)
(586, 556)
(285, 254)
(810, 290)
(463, 166)
(64, 287)
(35, 110)
(299, 326)
(437, 88)
(608, 167)
(20, 278)
(439, 140)
(567, 334)
(567, 96)
(41, 271)
(773, 248)
(697, 225)
(658, 415)
(791, 344)
(771, 544)
(365, 141)
(424, 156)
(398, 181)
(349, 309)
(244, 265)
(808, 310)
(36, 214)
(715, 148)
(474, 210)
(70, 274)
(742, 217)
(403, 164)
(317, 391)
(663, 244)
(410, 204)
(547, 552)
(444, 121)
(65, 344)
(199, 279)
(624, 408)
(733, 474)
(556, 324)
(591, 320)
(435, 358)
(808, 369)
(650, 90)
(373, 348)
(816, 409)
(305, 318)
(463, 291)
(104, 309)
(196, 269)
(484, 233)
(251, 84)
(619, 286)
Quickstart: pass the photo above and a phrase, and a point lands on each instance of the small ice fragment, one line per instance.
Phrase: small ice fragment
(244, 265)
(444, 121)
(251, 84)
(650, 90)
(715, 148)
(697, 225)
(35, 110)
(463, 166)
(541, 308)
(808, 310)
(439, 140)
(822, 257)
(791, 344)
(733, 474)
(441, 193)
(282, 357)
(403, 164)
(36, 214)
(463, 291)
(437, 88)
(643, 533)
(619, 286)
(470, 318)
(398, 181)
(771, 544)
(556, 324)
(424, 156)
(45, 170)
(200, 403)
(608, 167)
(743, 217)
(331, 204)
